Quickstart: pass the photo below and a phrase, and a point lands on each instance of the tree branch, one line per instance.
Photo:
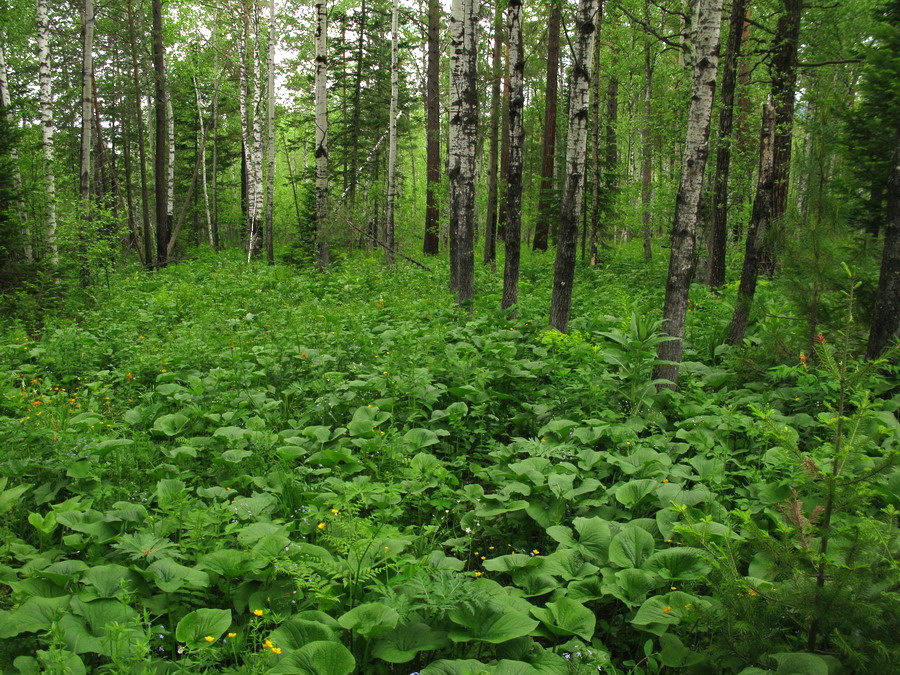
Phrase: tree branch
(836, 62)
(383, 245)
(651, 31)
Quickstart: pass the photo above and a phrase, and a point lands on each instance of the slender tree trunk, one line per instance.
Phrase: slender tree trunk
(646, 153)
(784, 78)
(432, 130)
(596, 205)
(270, 143)
(392, 141)
(545, 202)
(47, 126)
(462, 147)
(87, 111)
(321, 133)
(886, 316)
(353, 173)
(718, 235)
(490, 228)
(516, 149)
(611, 165)
(14, 157)
(209, 229)
(170, 162)
(142, 154)
(696, 147)
(576, 148)
(759, 221)
(162, 151)
(256, 174)
(214, 242)
(504, 151)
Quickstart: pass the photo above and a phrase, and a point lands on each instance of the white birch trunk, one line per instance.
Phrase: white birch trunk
(14, 156)
(246, 120)
(321, 141)
(392, 144)
(209, 229)
(270, 143)
(47, 126)
(576, 150)
(462, 147)
(255, 169)
(170, 166)
(705, 61)
(516, 146)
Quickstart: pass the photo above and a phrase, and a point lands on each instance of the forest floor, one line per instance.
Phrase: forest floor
(222, 467)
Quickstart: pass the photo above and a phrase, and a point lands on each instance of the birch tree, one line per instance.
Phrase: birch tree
(542, 228)
(14, 157)
(321, 139)
(462, 147)
(161, 147)
(270, 134)
(490, 228)
(704, 64)
(392, 141)
(47, 126)
(516, 145)
(576, 149)
(432, 129)
(209, 227)
(142, 152)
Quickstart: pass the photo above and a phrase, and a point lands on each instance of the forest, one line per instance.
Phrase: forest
(450, 338)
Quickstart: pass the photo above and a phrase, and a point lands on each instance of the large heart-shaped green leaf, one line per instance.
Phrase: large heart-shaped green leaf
(35, 614)
(170, 576)
(679, 563)
(170, 425)
(631, 547)
(567, 617)
(296, 633)
(489, 622)
(401, 644)
(317, 658)
(370, 619)
(195, 627)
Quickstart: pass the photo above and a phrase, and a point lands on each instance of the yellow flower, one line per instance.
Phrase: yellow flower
(276, 650)
(210, 638)
(673, 588)
(335, 511)
(752, 592)
(535, 552)
(257, 612)
(478, 574)
(232, 635)
(321, 526)
(667, 609)
(267, 644)
(665, 480)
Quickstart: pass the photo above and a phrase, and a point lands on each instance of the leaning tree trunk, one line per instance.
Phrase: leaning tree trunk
(432, 129)
(321, 141)
(759, 221)
(162, 151)
(542, 228)
(47, 126)
(719, 230)
(576, 148)
(270, 142)
(886, 317)
(490, 227)
(14, 156)
(516, 146)
(462, 146)
(696, 147)
(392, 140)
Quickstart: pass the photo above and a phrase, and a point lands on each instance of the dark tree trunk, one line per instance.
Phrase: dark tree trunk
(611, 162)
(490, 229)
(784, 79)
(142, 155)
(646, 154)
(759, 220)
(433, 129)
(719, 230)
(516, 145)
(357, 103)
(545, 201)
(576, 149)
(886, 317)
(162, 150)
(504, 152)
(594, 220)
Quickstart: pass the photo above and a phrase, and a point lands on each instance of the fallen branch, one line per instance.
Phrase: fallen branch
(383, 245)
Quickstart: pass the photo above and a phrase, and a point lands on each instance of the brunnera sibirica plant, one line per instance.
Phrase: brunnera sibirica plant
(204, 475)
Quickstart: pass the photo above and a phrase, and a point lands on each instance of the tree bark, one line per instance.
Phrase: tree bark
(646, 153)
(504, 151)
(759, 221)
(611, 163)
(462, 147)
(596, 204)
(170, 163)
(392, 141)
(576, 148)
(490, 228)
(270, 142)
(321, 140)
(886, 316)
(142, 153)
(719, 230)
(432, 130)
(696, 146)
(516, 147)
(162, 151)
(47, 126)
(542, 227)
(14, 160)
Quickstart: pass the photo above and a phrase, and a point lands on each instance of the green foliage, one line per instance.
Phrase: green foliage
(232, 468)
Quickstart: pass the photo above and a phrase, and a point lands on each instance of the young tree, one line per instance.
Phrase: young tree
(321, 140)
(142, 153)
(576, 148)
(719, 230)
(162, 151)
(462, 147)
(432, 129)
(542, 227)
(6, 109)
(270, 138)
(392, 141)
(516, 146)
(47, 126)
(704, 65)
(490, 228)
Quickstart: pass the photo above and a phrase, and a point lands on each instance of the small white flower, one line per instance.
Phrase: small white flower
(468, 530)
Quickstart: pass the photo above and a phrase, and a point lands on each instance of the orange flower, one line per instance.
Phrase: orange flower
(803, 360)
